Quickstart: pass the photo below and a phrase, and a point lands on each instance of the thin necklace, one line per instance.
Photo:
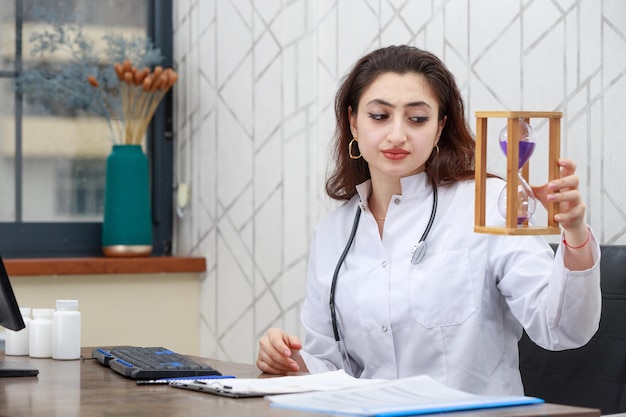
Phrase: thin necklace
(381, 219)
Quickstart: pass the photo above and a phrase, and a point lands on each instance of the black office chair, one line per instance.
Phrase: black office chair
(595, 374)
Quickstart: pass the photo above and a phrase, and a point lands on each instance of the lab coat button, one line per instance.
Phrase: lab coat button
(384, 328)
(384, 264)
(396, 201)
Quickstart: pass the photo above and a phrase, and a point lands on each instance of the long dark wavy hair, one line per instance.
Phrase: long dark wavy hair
(455, 160)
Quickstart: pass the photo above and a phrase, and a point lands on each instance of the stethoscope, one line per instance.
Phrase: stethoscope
(417, 256)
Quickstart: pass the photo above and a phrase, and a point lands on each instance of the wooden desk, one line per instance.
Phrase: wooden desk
(86, 388)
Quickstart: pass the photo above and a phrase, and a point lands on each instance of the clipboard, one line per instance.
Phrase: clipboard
(214, 387)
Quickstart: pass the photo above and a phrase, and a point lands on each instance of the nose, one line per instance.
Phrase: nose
(397, 133)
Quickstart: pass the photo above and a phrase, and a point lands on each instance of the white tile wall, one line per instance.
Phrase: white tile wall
(254, 115)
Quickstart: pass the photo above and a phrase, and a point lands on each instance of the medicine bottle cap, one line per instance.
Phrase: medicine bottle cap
(42, 312)
(67, 304)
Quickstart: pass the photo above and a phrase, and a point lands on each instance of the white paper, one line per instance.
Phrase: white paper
(288, 384)
(406, 396)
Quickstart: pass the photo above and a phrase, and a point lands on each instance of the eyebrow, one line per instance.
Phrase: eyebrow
(411, 104)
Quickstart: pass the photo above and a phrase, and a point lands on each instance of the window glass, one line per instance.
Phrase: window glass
(7, 151)
(7, 35)
(64, 149)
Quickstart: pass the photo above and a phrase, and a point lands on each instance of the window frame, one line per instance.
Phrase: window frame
(21, 239)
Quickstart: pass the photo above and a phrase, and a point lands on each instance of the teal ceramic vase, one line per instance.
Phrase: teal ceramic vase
(127, 225)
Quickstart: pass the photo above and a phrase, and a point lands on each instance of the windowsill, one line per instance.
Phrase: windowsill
(102, 265)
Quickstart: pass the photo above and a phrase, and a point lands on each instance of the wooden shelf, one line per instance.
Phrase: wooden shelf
(102, 265)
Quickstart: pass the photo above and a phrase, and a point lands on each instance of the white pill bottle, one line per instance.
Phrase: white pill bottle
(40, 333)
(16, 343)
(66, 330)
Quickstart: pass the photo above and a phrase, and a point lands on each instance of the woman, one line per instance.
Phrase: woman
(455, 311)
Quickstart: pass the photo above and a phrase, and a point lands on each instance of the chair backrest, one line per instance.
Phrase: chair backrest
(595, 374)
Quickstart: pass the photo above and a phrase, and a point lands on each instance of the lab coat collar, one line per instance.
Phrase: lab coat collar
(413, 186)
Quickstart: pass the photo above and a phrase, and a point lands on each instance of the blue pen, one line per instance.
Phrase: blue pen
(182, 378)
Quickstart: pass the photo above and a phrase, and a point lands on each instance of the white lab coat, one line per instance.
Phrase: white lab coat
(458, 315)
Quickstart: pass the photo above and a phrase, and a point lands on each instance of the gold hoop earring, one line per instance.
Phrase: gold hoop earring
(437, 147)
(350, 149)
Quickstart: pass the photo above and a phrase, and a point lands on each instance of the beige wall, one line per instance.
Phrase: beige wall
(124, 309)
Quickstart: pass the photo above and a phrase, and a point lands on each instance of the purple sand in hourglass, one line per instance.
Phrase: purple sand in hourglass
(526, 149)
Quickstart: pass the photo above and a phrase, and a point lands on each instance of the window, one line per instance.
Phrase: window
(52, 158)
(79, 189)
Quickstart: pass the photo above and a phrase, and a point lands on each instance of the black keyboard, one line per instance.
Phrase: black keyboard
(150, 362)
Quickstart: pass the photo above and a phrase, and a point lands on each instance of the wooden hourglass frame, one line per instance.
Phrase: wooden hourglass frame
(512, 170)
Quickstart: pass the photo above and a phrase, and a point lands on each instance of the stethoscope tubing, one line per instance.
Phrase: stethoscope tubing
(333, 285)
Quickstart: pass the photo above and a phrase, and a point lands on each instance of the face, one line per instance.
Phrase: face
(396, 125)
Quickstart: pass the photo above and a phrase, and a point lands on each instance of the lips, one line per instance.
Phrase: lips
(395, 154)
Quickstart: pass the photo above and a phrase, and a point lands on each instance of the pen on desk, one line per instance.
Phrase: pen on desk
(182, 378)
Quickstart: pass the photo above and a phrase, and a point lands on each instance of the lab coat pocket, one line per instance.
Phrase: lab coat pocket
(442, 289)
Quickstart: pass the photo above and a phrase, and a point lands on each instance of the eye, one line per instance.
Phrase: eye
(376, 116)
(419, 119)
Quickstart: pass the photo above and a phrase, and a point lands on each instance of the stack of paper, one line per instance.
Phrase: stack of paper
(401, 397)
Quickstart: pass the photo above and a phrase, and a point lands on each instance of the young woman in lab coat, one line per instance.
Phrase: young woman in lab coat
(454, 308)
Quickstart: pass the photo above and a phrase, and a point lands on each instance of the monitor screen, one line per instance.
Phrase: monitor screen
(11, 318)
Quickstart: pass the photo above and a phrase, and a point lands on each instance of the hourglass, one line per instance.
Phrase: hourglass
(517, 202)
(526, 202)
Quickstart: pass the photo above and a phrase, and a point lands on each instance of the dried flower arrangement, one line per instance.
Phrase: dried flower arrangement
(105, 83)
(140, 92)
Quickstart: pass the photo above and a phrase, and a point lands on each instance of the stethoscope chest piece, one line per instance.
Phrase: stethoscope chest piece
(418, 252)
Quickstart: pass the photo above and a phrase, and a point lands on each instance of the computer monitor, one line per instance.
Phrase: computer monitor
(11, 318)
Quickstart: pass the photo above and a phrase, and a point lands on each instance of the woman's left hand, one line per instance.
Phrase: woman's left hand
(571, 216)
(564, 191)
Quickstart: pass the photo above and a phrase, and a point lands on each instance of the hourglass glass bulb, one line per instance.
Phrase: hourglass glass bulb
(526, 202)
(526, 141)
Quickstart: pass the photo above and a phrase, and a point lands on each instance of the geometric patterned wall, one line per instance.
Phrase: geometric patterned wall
(254, 115)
